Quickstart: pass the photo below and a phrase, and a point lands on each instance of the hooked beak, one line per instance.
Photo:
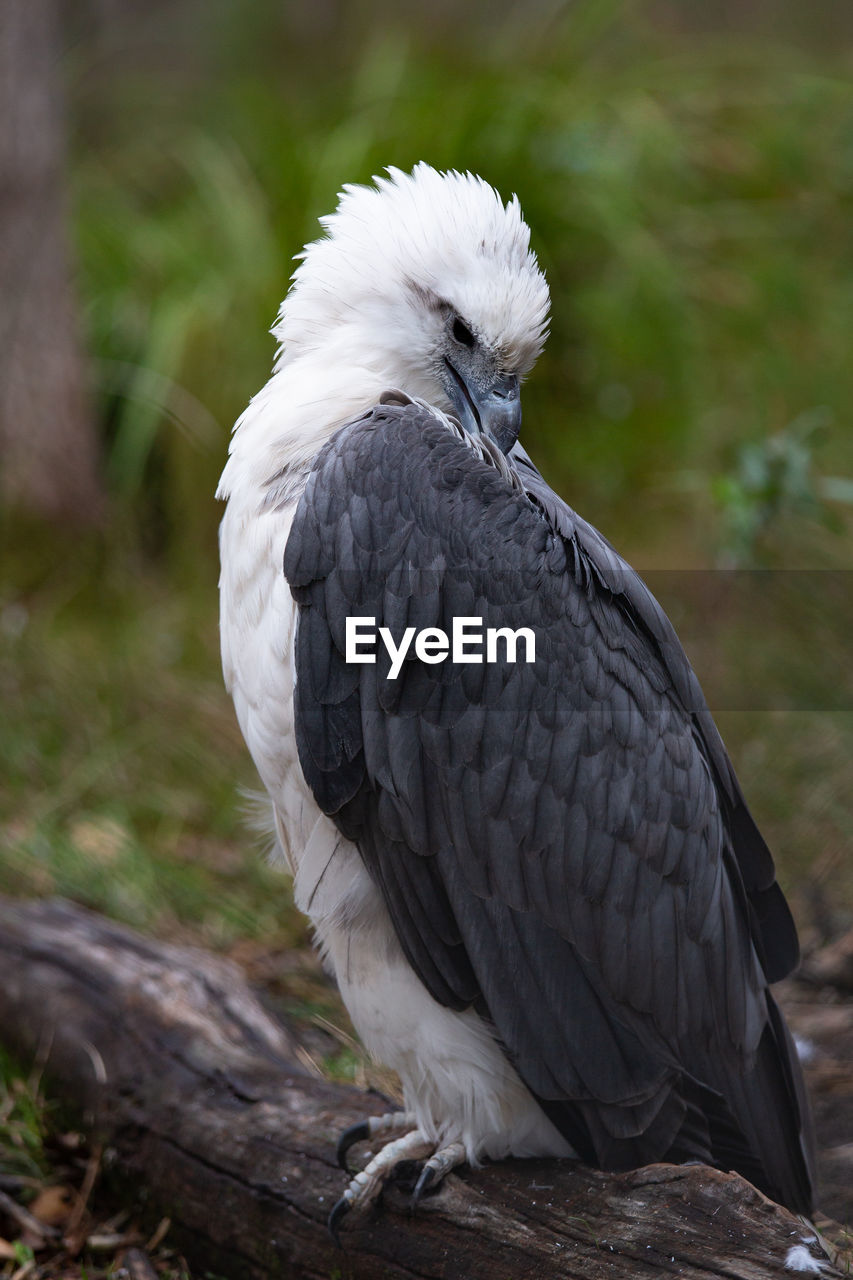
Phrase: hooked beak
(493, 408)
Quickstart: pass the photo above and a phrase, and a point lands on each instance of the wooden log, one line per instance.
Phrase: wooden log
(196, 1089)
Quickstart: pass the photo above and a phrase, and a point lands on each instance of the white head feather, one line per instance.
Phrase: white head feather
(446, 234)
(360, 316)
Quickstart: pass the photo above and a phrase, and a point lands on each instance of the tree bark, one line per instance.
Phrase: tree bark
(48, 445)
(196, 1090)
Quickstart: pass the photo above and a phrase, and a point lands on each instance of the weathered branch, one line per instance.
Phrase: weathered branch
(196, 1089)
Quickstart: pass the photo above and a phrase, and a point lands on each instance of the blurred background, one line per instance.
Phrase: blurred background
(687, 172)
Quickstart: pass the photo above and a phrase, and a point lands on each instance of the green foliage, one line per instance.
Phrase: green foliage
(775, 481)
(22, 1124)
(691, 206)
(120, 755)
(347, 1065)
(24, 1255)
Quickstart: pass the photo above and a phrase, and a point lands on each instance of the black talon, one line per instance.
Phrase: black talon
(339, 1211)
(355, 1133)
(424, 1182)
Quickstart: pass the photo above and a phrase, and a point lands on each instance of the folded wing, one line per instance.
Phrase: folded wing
(563, 844)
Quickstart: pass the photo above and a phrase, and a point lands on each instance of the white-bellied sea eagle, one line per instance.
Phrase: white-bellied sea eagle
(535, 879)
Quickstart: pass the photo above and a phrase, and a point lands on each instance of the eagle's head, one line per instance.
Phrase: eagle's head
(428, 281)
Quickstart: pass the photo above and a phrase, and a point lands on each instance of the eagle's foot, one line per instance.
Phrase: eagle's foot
(366, 1186)
(436, 1169)
(373, 1127)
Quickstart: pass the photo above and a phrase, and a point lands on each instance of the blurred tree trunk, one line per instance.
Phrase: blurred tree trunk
(48, 445)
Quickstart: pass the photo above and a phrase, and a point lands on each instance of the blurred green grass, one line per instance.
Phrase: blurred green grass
(120, 756)
(22, 1123)
(691, 204)
(691, 201)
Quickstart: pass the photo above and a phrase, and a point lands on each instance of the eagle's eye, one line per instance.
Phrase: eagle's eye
(462, 333)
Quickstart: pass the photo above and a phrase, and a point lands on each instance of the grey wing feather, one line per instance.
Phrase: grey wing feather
(565, 837)
(776, 934)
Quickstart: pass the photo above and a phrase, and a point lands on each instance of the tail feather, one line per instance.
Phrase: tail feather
(760, 1123)
(757, 1124)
